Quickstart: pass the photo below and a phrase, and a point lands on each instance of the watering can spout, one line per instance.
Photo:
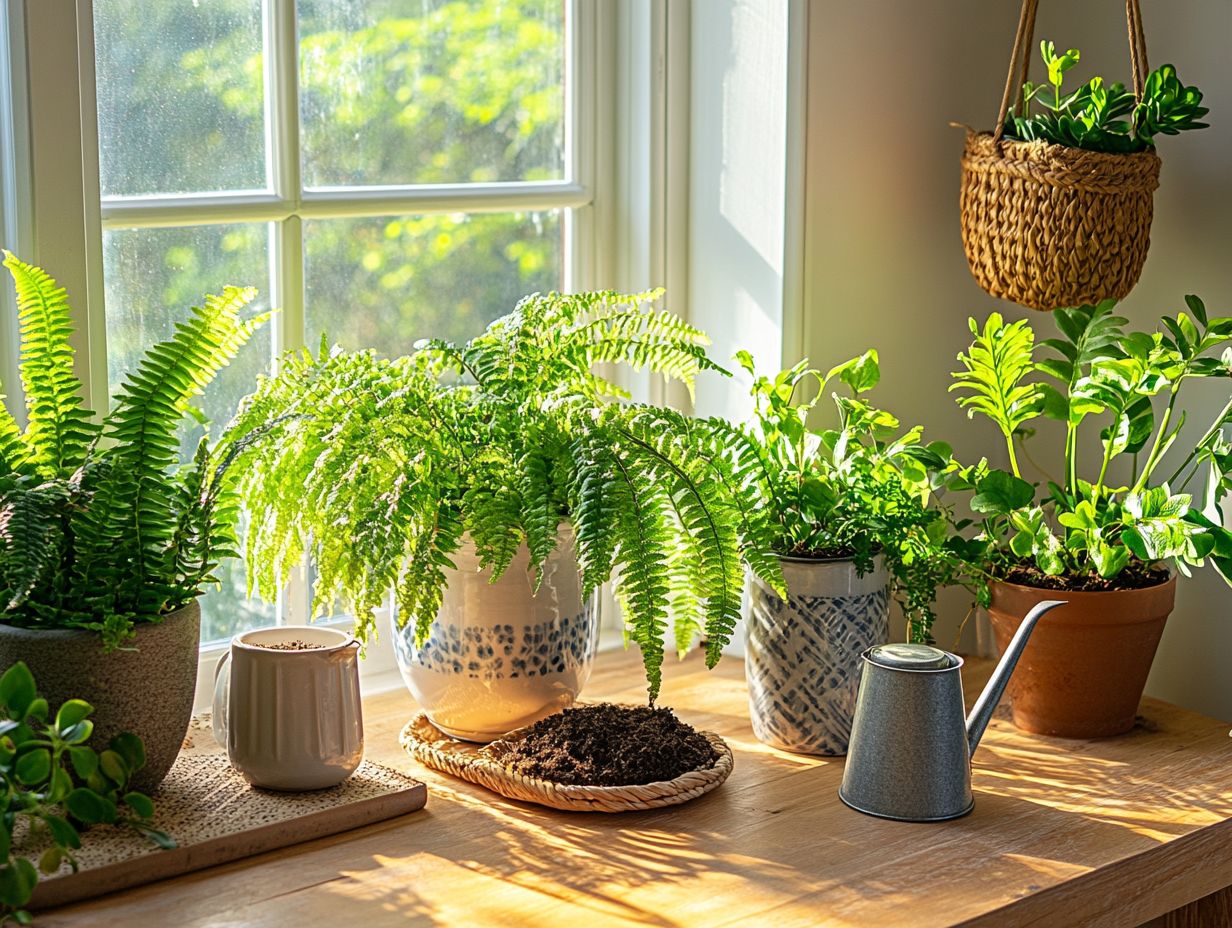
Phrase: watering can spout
(981, 712)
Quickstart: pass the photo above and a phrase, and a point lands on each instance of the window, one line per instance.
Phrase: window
(383, 171)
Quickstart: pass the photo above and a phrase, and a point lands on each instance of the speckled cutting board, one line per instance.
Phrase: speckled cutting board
(216, 817)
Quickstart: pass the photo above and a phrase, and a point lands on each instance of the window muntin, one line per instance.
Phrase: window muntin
(373, 266)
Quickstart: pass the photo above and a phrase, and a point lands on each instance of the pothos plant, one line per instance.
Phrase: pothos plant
(55, 783)
(1101, 526)
(381, 467)
(1104, 117)
(865, 487)
(101, 528)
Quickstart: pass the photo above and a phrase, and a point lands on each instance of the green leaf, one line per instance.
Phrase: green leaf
(141, 804)
(1197, 307)
(78, 733)
(113, 767)
(995, 367)
(84, 761)
(17, 690)
(89, 807)
(17, 881)
(131, 750)
(63, 833)
(33, 767)
(71, 713)
(50, 860)
(1001, 493)
(861, 374)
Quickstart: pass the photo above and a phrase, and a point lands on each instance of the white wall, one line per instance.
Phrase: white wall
(737, 179)
(882, 257)
(883, 252)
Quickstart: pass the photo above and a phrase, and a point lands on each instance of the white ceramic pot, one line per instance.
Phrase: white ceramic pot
(500, 655)
(802, 658)
(290, 719)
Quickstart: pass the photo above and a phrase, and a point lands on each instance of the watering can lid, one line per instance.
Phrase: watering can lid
(912, 657)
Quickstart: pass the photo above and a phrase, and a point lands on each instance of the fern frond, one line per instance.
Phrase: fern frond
(59, 428)
(13, 450)
(641, 586)
(30, 530)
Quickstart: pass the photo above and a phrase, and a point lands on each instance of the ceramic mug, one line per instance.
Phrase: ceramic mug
(290, 719)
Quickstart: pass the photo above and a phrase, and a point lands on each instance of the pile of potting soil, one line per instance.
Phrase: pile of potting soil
(608, 745)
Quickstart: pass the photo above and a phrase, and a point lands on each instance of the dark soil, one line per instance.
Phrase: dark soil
(609, 745)
(1133, 577)
(841, 553)
(295, 645)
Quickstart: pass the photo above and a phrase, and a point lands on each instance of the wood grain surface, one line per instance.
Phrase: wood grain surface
(1107, 833)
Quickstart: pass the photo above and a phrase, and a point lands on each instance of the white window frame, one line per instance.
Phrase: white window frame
(58, 216)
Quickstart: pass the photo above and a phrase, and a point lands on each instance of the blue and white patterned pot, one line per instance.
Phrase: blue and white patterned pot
(802, 656)
(500, 655)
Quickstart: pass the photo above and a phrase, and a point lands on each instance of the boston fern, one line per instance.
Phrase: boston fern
(1089, 528)
(1103, 117)
(380, 467)
(863, 488)
(99, 527)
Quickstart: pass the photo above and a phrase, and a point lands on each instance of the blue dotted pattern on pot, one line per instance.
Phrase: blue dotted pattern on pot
(502, 652)
(803, 664)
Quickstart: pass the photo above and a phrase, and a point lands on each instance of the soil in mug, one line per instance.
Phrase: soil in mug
(1134, 577)
(609, 745)
(296, 645)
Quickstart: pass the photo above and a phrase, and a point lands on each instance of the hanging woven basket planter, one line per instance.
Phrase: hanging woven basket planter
(1050, 226)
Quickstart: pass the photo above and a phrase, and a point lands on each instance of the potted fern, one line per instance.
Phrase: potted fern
(855, 519)
(493, 486)
(1109, 529)
(105, 542)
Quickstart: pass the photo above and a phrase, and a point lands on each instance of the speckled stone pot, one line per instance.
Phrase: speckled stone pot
(147, 688)
(802, 656)
(501, 655)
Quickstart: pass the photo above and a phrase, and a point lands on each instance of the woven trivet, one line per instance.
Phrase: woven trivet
(215, 816)
(482, 764)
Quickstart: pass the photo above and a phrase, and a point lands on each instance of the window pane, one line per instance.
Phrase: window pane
(386, 283)
(432, 92)
(152, 277)
(181, 97)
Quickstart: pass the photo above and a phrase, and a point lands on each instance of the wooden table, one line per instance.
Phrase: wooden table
(1113, 833)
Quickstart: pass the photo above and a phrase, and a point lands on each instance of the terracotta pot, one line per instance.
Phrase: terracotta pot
(1084, 669)
(802, 657)
(146, 688)
(502, 655)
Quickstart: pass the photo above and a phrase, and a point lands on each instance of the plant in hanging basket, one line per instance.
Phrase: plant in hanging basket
(1109, 535)
(1056, 204)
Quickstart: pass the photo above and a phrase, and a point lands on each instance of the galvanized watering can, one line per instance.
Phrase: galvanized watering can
(910, 752)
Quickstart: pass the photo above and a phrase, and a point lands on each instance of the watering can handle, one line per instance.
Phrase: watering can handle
(981, 712)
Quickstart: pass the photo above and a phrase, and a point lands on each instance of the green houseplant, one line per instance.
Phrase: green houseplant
(55, 784)
(856, 518)
(494, 486)
(105, 540)
(1106, 527)
(1097, 116)
(1057, 200)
